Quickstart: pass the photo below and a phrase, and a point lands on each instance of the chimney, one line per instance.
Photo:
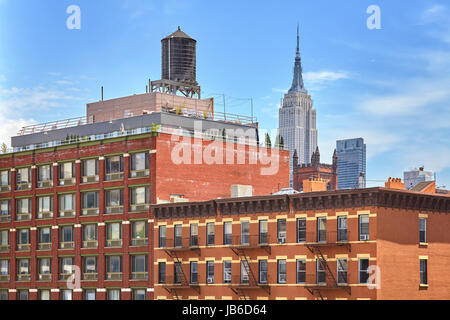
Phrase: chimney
(314, 185)
(394, 183)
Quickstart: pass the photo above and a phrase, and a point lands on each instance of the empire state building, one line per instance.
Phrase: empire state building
(297, 118)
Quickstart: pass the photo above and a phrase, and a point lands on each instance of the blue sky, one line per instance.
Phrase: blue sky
(389, 86)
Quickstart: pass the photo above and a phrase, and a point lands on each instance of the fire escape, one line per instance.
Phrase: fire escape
(242, 246)
(180, 281)
(326, 280)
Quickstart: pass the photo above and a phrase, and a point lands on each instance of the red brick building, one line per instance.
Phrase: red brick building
(87, 204)
(315, 170)
(318, 245)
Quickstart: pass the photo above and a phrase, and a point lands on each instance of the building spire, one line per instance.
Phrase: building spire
(297, 83)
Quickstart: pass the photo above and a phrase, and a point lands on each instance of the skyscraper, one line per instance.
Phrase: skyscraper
(351, 154)
(415, 176)
(297, 118)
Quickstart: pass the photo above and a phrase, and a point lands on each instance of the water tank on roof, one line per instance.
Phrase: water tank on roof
(179, 58)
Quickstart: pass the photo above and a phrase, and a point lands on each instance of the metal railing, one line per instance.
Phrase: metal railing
(251, 241)
(326, 237)
(178, 282)
(54, 125)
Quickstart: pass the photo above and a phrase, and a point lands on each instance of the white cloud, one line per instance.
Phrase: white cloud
(433, 14)
(324, 76)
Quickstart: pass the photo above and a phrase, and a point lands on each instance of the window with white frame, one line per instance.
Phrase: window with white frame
(341, 270)
(363, 227)
(423, 230)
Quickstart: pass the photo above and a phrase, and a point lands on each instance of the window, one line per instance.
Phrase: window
(281, 271)
(5, 180)
(320, 271)
(89, 294)
(227, 233)
(114, 267)
(341, 270)
(113, 294)
(423, 271)
(227, 272)
(23, 209)
(44, 268)
(140, 165)
(45, 207)
(139, 267)
(66, 240)
(194, 235)
(161, 272)
(139, 294)
(3, 294)
(423, 230)
(162, 236)
(4, 269)
(90, 236)
(262, 266)
(65, 267)
(364, 227)
(66, 205)
(66, 294)
(139, 198)
(114, 168)
(45, 176)
(4, 240)
(177, 270)
(301, 230)
(177, 230)
(321, 229)
(114, 234)
(245, 232)
(244, 271)
(44, 238)
(210, 233)
(23, 269)
(5, 210)
(194, 272)
(281, 227)
(363, 265)
(89, 268)
(209, 271)
(342, 228)
(90, 203)
(66, 173)
(301, 271)
(139, 233)
(263, 232)
(89, 170)
(23, 178)
(23, 239)
(22, 294)
(44, 294)
(114, 201)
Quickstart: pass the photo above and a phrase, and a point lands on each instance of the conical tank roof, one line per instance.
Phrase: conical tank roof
(178, 34)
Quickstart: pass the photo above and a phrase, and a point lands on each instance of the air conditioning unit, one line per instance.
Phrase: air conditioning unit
(90, 179)
(363, 237)
(24, 186)
(140, 242)
(65, 276)
(114, 276)
(4, 278)
(5, 188)
(45, 246)
(23, 277)
(90, 212)
(45, 277)
(4, 248)
(141, 207)
(45, 215)
(115, 176)
(67, 182)
(45, 184)
(140, 276)
(90, 276)
(282, 240)
(5, 218)
(23, 247)
(90, 244)
(210, 280)
(66, 214)
(22, 217)
(67, 245)
(141, 174)
(115, 210)
(114, 243)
